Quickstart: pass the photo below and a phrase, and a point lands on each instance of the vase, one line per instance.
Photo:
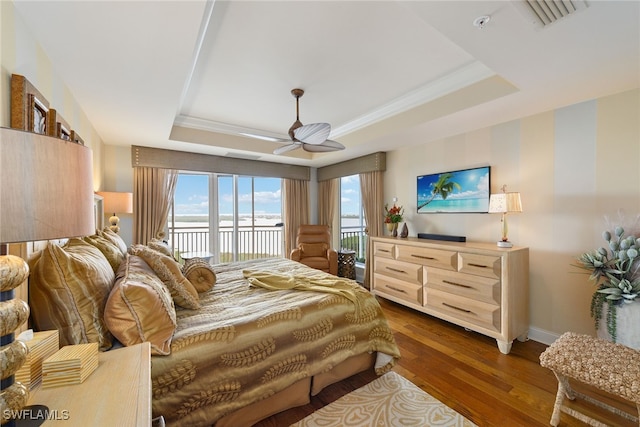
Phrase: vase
(405, 231)
(627, 321)
(392, 228)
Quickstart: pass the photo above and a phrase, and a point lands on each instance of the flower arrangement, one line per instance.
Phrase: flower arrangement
(616, 272)
(393, 214)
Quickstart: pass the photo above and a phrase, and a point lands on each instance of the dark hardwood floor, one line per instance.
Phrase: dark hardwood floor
(467, 372)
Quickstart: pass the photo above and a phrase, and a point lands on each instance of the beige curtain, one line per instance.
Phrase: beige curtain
(327, 201)
(372, 193)
(153, 190)
(296, 210)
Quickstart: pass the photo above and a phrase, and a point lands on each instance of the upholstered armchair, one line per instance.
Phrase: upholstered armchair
(314, 248)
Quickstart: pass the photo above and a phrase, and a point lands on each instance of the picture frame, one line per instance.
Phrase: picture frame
(61, 129)
(76, 138)
(458, 191)
(29, 109)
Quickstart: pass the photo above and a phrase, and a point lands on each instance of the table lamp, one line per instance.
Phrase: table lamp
(505, 203)
(46, 193)
(117, 203)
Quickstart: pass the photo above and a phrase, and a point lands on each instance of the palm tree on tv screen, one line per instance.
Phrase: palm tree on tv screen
(443, 187)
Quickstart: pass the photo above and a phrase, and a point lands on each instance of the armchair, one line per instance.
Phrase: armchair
(314, 248)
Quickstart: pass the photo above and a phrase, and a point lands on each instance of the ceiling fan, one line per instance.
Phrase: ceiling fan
(311, 137)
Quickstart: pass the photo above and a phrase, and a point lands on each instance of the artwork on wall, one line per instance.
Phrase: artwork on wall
(30, 111)
(461, 191)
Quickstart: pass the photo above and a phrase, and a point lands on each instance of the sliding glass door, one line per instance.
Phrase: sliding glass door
(233, 217)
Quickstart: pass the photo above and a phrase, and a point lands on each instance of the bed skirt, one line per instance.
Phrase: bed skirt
(297, 394)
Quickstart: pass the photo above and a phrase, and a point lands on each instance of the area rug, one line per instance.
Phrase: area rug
(390, 400)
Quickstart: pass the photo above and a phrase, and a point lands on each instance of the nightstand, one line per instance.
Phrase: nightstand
(117, 393)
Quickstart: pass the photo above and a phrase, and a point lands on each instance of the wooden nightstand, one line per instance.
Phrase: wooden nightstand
(117, 393)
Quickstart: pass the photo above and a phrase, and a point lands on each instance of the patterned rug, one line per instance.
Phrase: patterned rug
(390, 400)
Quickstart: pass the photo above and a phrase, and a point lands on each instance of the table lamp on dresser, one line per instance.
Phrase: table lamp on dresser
(504, 203)
(46, 192)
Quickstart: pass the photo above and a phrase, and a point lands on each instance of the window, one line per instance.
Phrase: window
(352, 222)
(189, 217)
(233, 217)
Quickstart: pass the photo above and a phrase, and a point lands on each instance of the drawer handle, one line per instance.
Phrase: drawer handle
(456, 308)
(457, 284)
(384, 250)
(396, 270)
(422, 256)
(471, 264)
(396, 289)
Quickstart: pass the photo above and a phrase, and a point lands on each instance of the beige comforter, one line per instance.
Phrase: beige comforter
(247, 343)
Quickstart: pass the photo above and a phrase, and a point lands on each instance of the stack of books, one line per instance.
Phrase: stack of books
(70, 365)
(43, 345)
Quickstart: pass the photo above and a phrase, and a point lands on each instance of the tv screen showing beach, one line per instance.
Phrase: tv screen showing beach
(462, 191)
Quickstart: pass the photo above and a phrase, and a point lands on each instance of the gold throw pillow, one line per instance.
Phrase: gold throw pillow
(140, 307)
(69, 287)
(168, 270)
(200, 273)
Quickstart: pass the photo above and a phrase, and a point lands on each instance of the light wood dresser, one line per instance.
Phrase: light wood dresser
(117, 393)
(478, 286)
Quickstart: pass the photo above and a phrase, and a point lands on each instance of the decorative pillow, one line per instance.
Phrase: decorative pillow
(115, 238)
(140, 307)
(200, 273)
(314, 249)
(69, 287)
(160, 246)
(168, 270)
(110, 250)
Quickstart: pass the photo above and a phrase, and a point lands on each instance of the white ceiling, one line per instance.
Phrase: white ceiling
(193, 75)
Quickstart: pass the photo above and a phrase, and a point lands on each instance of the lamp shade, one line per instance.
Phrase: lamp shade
(505, 202)
(46, 188)
(115, 202)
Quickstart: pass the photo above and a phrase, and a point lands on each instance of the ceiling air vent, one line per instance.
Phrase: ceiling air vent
(546, 12)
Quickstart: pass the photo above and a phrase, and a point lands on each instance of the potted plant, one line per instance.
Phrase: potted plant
(392, 217)
(616, 272)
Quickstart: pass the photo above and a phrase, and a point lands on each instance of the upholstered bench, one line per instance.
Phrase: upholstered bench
(610, 367)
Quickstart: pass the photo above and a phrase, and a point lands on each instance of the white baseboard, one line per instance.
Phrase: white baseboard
(542, 336)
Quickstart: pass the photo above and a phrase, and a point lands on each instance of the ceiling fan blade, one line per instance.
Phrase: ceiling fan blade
(285, 148)
(314, 133)
(326, 146)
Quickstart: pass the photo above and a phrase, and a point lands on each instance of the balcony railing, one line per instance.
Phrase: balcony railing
(252, 242)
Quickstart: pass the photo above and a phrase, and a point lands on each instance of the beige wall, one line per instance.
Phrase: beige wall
(21, 54)
(572, 167)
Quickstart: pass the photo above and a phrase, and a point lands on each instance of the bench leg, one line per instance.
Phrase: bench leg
(564, 390)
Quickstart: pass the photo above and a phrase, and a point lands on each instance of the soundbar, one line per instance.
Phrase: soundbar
(442, 237)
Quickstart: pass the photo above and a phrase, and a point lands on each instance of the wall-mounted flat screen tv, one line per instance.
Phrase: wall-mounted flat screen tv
(461, 191)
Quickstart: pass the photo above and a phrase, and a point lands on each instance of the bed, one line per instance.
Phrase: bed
(246, 351)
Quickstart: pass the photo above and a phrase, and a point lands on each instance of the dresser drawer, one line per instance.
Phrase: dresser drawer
(384, 250)
(475, 312)
(426, 256)
(466, 285)
(480, 265)
(389, 286)
(406, 271)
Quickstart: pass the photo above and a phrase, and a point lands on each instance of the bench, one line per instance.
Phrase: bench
(613, 368)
